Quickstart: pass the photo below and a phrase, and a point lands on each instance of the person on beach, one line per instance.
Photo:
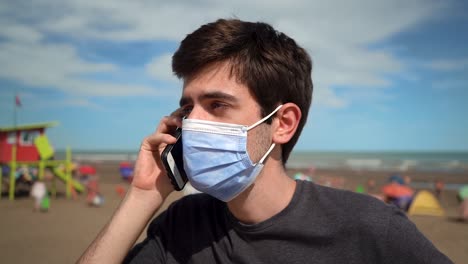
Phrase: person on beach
(438, 188)
(93, 196)
(246, 96)
(39, 194)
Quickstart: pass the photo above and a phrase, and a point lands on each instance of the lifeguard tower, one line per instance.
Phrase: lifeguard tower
(28, 145)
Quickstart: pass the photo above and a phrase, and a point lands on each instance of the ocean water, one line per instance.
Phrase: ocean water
(395, 161)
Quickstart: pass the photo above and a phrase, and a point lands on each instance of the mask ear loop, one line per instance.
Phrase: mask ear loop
(265, 118)
(267, 153)
(258, 123)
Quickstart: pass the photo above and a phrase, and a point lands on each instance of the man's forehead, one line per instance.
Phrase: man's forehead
(214, 81)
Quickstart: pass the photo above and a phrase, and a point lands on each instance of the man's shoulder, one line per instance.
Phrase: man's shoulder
(343, 205)
(341, 197)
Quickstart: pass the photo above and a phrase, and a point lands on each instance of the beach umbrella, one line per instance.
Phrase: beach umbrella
(125, 164)
(126, 172)
(396, 190)
(87, 170)
(396, 178)
(463, 192)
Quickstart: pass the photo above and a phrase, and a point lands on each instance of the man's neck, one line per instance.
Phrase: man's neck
(267, 196)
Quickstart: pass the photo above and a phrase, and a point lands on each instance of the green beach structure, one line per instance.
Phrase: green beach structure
(28, 145)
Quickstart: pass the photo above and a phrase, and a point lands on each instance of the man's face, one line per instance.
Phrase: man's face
(214, 95)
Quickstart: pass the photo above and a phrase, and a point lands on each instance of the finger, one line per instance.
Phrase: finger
(179, 112)
(163, 134)
(168, 124)
(156, 141)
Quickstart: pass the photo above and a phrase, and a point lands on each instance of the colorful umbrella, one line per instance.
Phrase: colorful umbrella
(396, 178)
(396, 190)
(87, 170)
(125, 164)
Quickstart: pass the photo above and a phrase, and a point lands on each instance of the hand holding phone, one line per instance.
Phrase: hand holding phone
(172, 158)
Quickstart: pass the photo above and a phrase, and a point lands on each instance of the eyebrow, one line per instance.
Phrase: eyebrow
(210, 95)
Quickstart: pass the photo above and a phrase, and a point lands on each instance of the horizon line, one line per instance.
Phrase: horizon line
(294, 151)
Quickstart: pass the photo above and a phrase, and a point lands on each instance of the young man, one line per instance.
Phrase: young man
(247, 92)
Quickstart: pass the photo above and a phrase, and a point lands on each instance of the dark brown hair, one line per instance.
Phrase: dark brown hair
(269, 63)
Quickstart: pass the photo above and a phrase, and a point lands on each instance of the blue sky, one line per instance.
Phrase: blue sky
(388, 75)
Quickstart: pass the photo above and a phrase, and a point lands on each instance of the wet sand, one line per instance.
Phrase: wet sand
(63, 233)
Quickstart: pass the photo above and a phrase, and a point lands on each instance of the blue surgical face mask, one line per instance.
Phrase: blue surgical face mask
(216, 159)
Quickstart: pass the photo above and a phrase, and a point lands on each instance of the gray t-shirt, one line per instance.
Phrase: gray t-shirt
(320, 225)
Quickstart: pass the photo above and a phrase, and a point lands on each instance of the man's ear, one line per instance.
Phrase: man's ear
(286, 122)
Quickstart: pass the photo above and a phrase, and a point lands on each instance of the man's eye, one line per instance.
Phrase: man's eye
(216, 105)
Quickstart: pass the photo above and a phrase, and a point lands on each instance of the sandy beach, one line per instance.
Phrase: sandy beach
(63, 233)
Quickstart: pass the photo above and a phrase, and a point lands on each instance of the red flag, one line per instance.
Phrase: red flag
(17, 101)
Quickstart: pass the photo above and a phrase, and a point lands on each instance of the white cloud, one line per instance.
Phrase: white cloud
(58, 66)
(160, 68)
(20, 33)
(337, 34)
(324, 96)
(38, 101)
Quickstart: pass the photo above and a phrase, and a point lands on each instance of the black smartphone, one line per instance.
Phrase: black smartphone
(172, 158)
